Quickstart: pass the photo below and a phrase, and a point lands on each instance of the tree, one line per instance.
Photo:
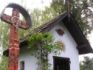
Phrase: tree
(40, 17)
(3, 41)
(86, 64)
(4, 63)
(81, 10)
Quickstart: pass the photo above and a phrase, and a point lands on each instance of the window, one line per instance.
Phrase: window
(61, 63)
(60, 31)
(22, 64)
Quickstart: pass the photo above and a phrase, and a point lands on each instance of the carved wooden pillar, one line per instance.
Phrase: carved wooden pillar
(13, 42)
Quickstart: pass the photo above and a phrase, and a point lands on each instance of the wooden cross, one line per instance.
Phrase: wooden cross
(13, 37)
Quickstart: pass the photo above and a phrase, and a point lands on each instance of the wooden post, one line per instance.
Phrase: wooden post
(13, 42)
(68, 6)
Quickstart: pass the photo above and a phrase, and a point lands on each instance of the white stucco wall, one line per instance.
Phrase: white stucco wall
(30, 61)
(70, 48)
(69, 52)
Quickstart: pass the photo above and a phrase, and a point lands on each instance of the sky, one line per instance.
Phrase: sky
(40, 4)
(29, 4)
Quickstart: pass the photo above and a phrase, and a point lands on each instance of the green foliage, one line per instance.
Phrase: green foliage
(82, 13)
(4, 63)
(81, 67)
(80, 10)
(4, 30)
(44, 40)
(4, 41)
(41, 45)
(58, 6)
(86, 64)
(36, 18)
(40, 17)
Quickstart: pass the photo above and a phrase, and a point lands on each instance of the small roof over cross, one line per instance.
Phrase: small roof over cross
(15, 16)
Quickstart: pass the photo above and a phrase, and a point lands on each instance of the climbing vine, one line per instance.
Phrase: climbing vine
(41, 45)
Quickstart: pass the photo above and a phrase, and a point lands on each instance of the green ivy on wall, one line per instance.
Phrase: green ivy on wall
(41, 45)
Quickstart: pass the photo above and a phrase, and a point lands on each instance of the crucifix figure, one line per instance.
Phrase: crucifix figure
(15, 23)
